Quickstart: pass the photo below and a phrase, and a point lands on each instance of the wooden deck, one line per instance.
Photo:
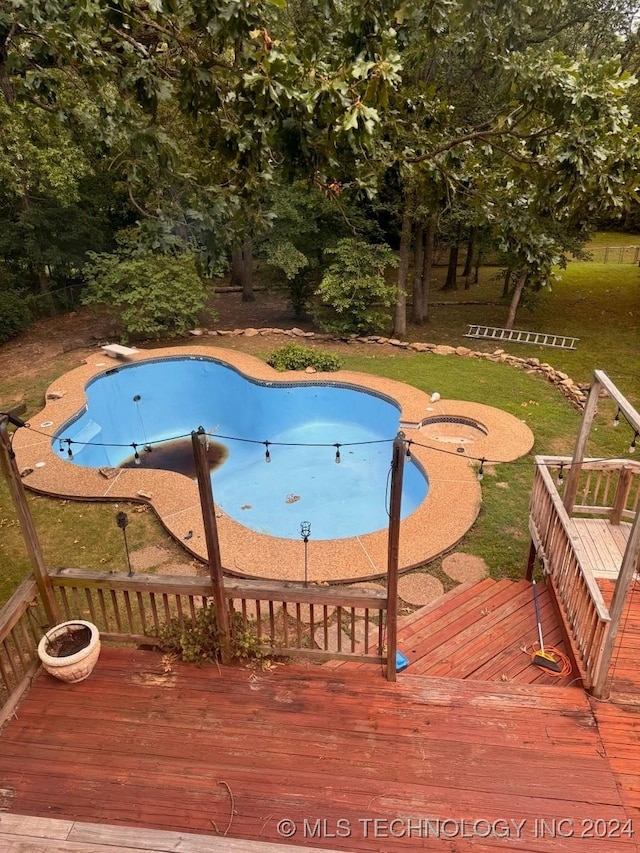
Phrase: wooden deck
(208, 751)
(619, 719)
(601, 544)
(479, 632)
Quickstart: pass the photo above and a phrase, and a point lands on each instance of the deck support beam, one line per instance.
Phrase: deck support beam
(573, 477)
(25, 519)
(395, 502)
(625, 578)
(199, 442)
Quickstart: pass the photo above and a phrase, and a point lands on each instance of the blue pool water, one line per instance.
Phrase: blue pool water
(157, 400)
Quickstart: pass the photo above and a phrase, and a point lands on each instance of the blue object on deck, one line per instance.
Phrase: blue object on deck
(402, 662)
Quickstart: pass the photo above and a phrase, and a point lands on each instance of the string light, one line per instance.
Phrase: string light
(560, 479)
(136, 455)
(148, 446)
(481, 469)
(69, 450)
(337, 447)
(616, 419)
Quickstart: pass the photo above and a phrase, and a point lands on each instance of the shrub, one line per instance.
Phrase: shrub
(353, 294)
(296, 357)
(198, 640)
(156, 293)
(14, 314)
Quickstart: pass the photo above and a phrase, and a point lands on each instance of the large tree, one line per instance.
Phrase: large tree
(506, 107)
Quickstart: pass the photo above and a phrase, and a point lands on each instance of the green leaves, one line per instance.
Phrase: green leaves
(154, 294)
(354, 293)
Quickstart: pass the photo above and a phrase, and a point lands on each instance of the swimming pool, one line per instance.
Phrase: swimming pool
(150, 403)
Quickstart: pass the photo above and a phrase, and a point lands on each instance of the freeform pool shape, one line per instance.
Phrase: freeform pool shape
(441, 519)
(154, 401)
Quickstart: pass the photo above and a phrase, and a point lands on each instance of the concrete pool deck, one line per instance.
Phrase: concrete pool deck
(441, 520)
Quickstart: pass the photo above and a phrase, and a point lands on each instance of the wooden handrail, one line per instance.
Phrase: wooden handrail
(563, 518)
(623, 493)
(583, 607)
(22, 623)
(126, 608)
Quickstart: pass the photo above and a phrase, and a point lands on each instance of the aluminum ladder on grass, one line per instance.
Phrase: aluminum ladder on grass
(495, 333)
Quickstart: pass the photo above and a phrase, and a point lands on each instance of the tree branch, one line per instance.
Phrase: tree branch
(140, 209)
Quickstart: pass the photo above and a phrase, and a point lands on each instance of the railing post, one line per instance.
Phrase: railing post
(571, 489)
(621, 495)
(395, 501)
(625, 577)
(25, 519)
(205, 489)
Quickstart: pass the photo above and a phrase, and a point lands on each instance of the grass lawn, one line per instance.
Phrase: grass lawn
(598, 303)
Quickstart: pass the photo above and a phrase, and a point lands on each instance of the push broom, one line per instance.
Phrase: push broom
(542, 658)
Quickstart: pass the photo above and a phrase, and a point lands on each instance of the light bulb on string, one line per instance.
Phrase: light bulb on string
(408, 453)
(69, 450)
(267, 455)
(560, 479)
(632, 446)
(481, 469)
(616, 419)
(337, 447)
(136, 455)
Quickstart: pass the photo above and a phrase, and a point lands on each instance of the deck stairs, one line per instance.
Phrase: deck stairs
(478, 631)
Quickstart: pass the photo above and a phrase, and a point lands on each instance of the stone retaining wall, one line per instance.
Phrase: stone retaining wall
(576, 393)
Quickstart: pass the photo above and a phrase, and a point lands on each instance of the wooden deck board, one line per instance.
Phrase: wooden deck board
(479, 632)
(601, 545)
(135, 746)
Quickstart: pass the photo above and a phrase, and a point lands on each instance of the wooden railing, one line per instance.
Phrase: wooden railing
(609, 489)
(22, 624)
(575, 589)
(290, 619)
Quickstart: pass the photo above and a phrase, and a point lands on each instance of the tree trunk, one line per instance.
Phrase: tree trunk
(44, 281)
(452, 272)
(242, 270)
(468, 264)
(515, 299)
(476, 271)
(427, 264)
(237, 266)
(247, 280)
(507, 283)
(417, 312)
(400, 318)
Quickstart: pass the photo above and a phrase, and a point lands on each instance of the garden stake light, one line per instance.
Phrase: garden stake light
(122, 520)
(305, 532)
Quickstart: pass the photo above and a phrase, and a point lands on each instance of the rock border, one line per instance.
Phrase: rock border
(575, 392)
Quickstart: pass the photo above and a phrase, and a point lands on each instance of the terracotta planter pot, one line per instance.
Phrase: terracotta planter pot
(75, 667)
